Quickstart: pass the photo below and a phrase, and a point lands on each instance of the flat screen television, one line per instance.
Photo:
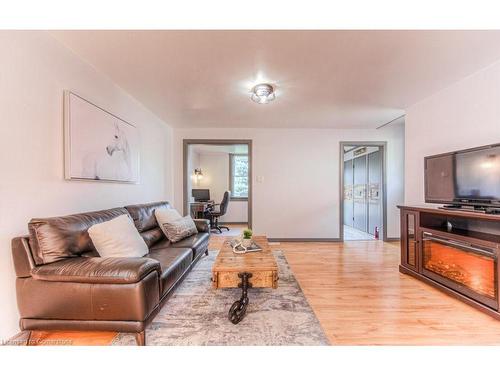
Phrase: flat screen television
(466, 177)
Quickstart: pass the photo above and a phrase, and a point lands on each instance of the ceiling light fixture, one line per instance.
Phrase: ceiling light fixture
(263, 93)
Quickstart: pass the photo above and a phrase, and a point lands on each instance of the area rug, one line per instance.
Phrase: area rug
(196, 314)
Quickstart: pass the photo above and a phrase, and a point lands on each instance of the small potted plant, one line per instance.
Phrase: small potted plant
(247, 238)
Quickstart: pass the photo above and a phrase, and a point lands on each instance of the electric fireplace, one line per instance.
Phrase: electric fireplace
(454, 251)
(468, 269)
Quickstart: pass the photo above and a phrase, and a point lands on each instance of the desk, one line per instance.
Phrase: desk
(197, 209)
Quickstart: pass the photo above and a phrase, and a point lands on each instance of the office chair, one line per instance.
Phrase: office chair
(214, 215)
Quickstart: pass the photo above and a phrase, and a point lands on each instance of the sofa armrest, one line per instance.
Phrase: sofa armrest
(202, 225)
(23, 259)
(96, 270)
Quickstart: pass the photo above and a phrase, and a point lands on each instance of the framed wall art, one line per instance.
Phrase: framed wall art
(99, 146)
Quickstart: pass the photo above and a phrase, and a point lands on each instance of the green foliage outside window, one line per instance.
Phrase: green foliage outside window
(239, 183)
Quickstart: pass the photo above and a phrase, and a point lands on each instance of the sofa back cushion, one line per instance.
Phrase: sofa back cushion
(145, 220)
(144, 214)
(63, 237)
(152, 236)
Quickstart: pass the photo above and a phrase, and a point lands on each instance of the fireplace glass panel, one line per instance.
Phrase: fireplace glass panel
(460, 265)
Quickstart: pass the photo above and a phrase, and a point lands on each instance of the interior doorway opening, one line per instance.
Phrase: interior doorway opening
(362, 198)
(218, 183)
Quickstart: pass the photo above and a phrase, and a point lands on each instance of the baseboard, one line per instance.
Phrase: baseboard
(233, 223)
(304, 240)
(390, 239)
(393, 239)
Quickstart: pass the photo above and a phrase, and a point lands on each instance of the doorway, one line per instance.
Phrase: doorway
(212, 167)
(362, 191)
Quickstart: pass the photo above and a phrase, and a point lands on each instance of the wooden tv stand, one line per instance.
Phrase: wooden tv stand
(454, 251)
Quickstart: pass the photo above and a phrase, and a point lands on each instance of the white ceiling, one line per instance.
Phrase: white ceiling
(324, 79)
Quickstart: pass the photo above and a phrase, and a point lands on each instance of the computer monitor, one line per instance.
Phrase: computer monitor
(201, 195)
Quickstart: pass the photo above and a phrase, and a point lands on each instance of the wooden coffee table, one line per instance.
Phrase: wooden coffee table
(251, 270)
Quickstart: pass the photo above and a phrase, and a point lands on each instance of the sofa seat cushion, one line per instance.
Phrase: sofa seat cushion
(86, 303)
(164, 243)
(193, 241)
(97, 270)
(173, 262)
(198, 243)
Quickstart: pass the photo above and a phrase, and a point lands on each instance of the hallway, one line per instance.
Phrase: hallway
(353, 234)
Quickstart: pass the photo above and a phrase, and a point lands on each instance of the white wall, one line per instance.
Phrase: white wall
(237, 212)
(299, 194)
(215, 167)
(466, 114)
(34, 71)
(193, 162)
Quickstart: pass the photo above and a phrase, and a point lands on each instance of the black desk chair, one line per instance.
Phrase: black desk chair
(214, 214)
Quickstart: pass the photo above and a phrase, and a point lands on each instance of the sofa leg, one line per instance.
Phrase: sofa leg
(28, 338)
(140, 338)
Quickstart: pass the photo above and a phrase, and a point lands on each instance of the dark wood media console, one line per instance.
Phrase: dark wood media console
(454, 251)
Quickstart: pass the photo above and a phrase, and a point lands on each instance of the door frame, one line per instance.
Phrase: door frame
(383, 148)
(186, 174)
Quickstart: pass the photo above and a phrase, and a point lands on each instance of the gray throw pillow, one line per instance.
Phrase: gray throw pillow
(178, 229)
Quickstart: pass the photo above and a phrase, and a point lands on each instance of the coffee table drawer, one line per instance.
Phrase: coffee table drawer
(259, 279)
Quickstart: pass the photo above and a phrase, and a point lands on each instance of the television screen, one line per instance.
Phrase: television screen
(464, 176)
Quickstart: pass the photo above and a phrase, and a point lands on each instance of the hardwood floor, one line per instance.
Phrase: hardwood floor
(71, 338)
(360, 298)
(234, 230)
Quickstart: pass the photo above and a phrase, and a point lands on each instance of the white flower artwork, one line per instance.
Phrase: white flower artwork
(99, 146)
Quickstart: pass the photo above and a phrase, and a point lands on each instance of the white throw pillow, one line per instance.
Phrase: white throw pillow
(166, 215)
(118, 238)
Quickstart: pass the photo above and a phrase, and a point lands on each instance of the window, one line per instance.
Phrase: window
(238, 176)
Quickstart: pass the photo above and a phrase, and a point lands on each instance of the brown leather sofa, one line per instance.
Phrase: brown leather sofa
(63, 284)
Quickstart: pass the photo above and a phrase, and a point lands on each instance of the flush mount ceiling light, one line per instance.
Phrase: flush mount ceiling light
(263, 93)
